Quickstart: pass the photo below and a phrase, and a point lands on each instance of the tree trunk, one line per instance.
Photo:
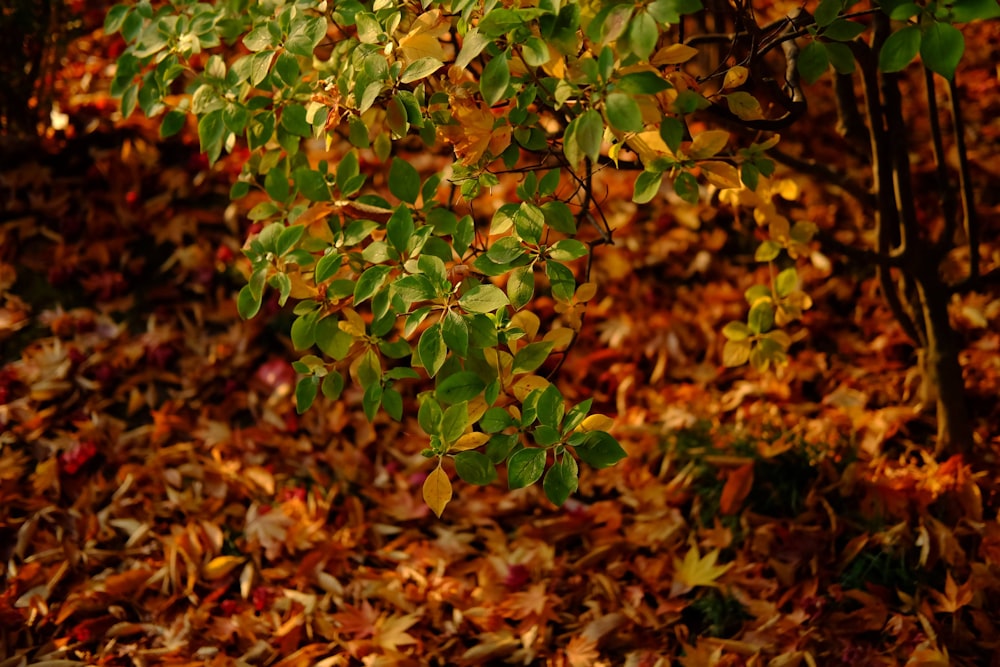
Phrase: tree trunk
(942, 381)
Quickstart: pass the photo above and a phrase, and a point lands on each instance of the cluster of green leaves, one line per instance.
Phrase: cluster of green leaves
(396, 286)
(928, 30)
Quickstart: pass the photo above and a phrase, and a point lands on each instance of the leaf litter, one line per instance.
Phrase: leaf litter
(161, 502)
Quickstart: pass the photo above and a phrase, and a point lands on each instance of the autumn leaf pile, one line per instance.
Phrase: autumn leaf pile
(161, 502)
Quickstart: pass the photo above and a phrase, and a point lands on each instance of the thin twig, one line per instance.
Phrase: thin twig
(965, 181)
(948, 205)
(827, 175)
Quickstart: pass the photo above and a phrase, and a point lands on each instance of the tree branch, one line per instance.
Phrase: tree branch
(827, 175)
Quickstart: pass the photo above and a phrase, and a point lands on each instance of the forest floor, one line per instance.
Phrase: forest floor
(161, 502)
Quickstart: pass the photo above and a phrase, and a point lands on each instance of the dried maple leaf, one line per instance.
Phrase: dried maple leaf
(696, 570)
(392, 633)
(954, 597)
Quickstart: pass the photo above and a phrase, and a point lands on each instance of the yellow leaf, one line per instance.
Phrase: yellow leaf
(477, 407)
(675, 54)
(735, 77)
(221, 566)
(744, 105)
(586, 292)
(528, 384)
(596, 423)
(720, 174)
(353, 324)
(470, 441)
(696, 570)
(649, 145)
(422, 39)
(708, 143)
(736, 352)
(527, 320)
(437, 490)
(560, 338)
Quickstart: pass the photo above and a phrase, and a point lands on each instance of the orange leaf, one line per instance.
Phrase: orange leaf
(736, 489)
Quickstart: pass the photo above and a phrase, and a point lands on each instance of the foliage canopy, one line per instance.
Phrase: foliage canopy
(413, 286)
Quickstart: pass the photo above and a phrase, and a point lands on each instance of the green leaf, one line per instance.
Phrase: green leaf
(813, 61)
(404, 181)
(303, 331)
(786, 282)
(495, 420)
(643, 35)
(392, 403)
(495, 79)
(767, 251)
(761, 317)
(258, 39)
(420, 69)
(475, 468)
(114, 18)
(963, 11)
(462, 386)
(551, 407)
(293, 119)
(686, 187)
(429, 415)
(841, 57)
(525, 467)
(647, 186)
(311, 184)
(333, 385)
(531, 356)
(371, 399)
(369, 283)
(276, 185)
(173, 122)
(331, 339)
(247, 304)
(899, 49)
(535, 51)
(567, 250)
(327, 266)
(642, 83)
(529, 222)
(672, 132)
(590, 133)
(561, 280)
(736, 331)
(399, 229)
(623, 112)
(941, 49)
(305, 35)
(431, 349)
(559, 217)
(211, 132)
(305, 393)
(843, 30)
(521, 286)
(600, 450)
(454, 421)
(561, 481)
(483, 299)
(455, 332)
(827, 12)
